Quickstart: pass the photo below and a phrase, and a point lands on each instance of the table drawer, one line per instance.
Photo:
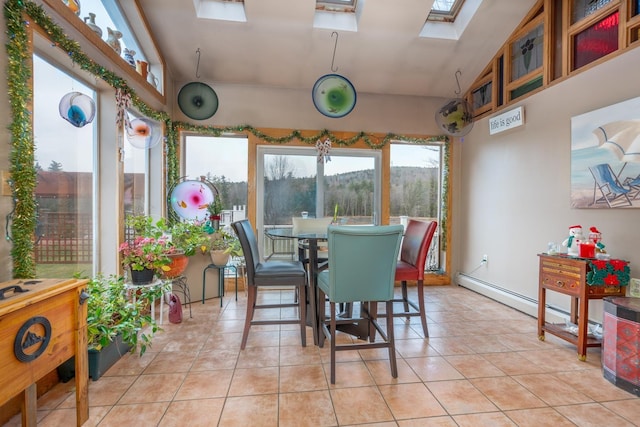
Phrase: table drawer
(562, 283)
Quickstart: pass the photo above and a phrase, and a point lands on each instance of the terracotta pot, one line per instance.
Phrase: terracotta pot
(178, 264)
(219, 257)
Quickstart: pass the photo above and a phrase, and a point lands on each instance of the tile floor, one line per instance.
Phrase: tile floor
(482, 366)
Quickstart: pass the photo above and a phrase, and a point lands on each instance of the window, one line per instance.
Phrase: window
(445, 10)
(336, 5)
(292, 180)
(65, 161)
(596, 41)
(223, 162)
(416, 189)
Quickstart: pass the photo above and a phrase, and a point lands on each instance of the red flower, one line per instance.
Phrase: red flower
(611, 280)
(599, 264)
(618, 265)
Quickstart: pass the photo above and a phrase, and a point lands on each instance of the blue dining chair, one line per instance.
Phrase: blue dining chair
(274, 274)
(362, 267)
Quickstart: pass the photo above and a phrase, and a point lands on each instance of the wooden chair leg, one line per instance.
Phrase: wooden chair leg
(333, 342)
(405, 298)
(423, 314)
(391, 339)
(251, 303)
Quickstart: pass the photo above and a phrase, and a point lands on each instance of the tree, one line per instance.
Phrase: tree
(55, 166)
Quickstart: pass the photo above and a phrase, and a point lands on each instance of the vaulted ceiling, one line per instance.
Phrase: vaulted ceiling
(390, 52)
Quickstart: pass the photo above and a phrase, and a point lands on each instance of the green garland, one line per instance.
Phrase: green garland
(22, 169)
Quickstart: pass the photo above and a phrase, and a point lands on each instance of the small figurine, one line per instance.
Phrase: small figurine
(573, 241)
(128, 56)
(113, 40)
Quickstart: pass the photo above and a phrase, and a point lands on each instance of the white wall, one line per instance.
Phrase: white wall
(515, 186)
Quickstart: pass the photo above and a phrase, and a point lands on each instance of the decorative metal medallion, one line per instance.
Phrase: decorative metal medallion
(32, 339)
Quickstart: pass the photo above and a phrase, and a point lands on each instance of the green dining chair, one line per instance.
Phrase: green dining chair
(362, 267)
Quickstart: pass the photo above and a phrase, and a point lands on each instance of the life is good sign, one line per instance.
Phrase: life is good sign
(507, 120)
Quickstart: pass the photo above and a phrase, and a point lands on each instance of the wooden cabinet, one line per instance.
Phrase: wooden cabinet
(43, 322)
(568, 276)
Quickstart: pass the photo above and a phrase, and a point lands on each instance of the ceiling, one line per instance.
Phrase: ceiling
(278, 45)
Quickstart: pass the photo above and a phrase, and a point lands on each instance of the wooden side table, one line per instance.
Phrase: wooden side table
(568, 276)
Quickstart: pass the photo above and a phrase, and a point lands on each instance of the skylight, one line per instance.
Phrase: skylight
(445, 10)
(336, 5)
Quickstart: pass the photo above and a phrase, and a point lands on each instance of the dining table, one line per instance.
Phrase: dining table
(312, 239)
(357, 328)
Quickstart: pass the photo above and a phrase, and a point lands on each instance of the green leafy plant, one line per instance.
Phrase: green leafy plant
(215, 208)
(146, 252)
(112, 312)
(188, 237)
(221, 240)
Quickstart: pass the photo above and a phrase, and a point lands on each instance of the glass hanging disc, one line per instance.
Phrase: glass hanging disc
(143, 133)
(77, 108)
(198, 101)
(189, 199)
(334, 95)
(455, 117)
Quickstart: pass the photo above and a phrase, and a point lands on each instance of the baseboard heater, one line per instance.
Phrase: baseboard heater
(510, 298)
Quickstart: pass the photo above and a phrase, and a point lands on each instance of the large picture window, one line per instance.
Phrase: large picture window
(65, 162)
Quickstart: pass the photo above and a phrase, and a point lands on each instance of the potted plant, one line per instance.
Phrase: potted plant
(145, 257)
(215, 209)
(221, 245)
(188, 238)
(116, 323)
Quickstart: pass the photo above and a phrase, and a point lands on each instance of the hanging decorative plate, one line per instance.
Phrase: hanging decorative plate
(455, 117)
(77, 108)
(189, 199)
(334, 95)
(198, 101)
(143, 133)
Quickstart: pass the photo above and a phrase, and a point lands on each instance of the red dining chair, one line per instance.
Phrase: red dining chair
(413, 256)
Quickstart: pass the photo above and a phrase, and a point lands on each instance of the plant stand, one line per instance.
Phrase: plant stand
(221, 269)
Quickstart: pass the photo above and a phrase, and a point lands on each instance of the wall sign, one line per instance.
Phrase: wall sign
(507, 120)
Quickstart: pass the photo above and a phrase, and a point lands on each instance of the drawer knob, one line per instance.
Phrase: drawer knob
(560, 283)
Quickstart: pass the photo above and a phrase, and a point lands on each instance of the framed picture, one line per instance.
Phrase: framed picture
(605, 157)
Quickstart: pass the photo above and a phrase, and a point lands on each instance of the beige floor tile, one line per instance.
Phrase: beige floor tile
(415, 348)
(257, 357)
(153, 388)
(131, 364)
(460, 397)
(541, 417)
(255, 411)
(551, 390)
(360, 405)
(592, 383)
(513, 363)
(171, 361)
(593, 414)
(450, 346)
(140, 414)
(445, 421)
(474, 366)
(412, 400)
(204, 385)
(254, 381)
(208, 360)
(310, 408)
(507, 393)
(380, 370)
(300, 378)
(434, 369)
(489, 419)
(298, 355)
(628, 409)
(349, 374)
(198, 412)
